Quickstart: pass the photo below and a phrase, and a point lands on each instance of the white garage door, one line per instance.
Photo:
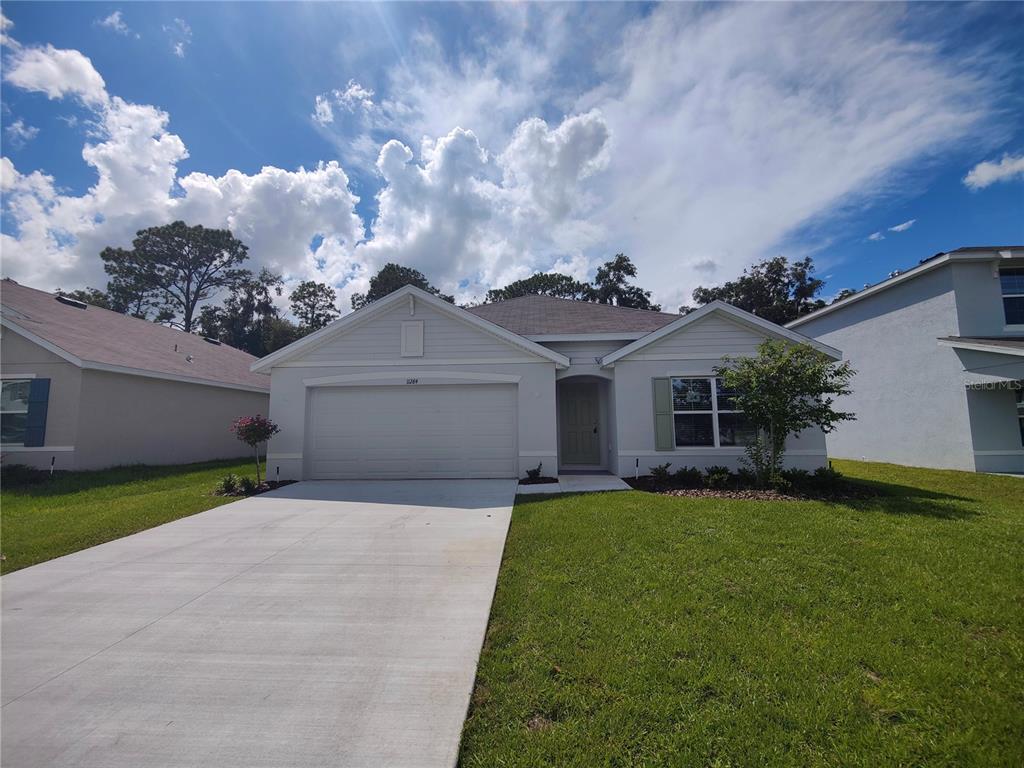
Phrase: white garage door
(417, 431)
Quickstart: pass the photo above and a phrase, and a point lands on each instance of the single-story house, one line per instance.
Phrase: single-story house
(939, 355)
(412, 386)
(87, 388)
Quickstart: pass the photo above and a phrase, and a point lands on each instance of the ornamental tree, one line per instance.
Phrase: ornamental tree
(253, 430)
(787, 388)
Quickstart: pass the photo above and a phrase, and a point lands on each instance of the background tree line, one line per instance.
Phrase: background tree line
(172, 274)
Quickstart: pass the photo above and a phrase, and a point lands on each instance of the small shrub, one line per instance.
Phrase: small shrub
(781, 484)
(826, 479)
(660, 473)
(797, 478)
(534, 474)
(746, 478)
(688, 477)
(21, 474)
(228, 485)
(247, 485)
(717, 478)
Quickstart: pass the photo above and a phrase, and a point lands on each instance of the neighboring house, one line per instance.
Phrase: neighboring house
(86, 388)
(939, 354)
(412, 386)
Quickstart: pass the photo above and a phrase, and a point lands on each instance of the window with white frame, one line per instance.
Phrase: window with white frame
(704, 413)
(1011, 283)
(14, 399)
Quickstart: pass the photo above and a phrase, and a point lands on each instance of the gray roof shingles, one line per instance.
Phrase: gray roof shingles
(110, 338)
(543, 315)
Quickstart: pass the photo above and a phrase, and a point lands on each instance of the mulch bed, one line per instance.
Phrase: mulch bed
(538, 480)
(846, 490)
(261, 488)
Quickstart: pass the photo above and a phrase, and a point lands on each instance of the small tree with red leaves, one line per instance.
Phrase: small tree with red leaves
(253, 430)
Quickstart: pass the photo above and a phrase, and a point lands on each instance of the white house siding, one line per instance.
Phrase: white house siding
(142, 420)
(694, 350)
(909, 393)
(370, 355)
(18, 355)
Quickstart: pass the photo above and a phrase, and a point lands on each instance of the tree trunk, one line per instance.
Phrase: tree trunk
(256, 449)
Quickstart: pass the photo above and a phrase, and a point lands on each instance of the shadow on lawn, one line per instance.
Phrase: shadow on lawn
(894, 499)
(38, 483)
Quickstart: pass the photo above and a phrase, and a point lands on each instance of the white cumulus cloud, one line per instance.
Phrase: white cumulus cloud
(984, 174)
(55, 72)
(18, 134)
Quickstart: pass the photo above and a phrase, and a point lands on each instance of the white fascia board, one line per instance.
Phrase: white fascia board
(381, 305)
(91, 365)
(732, 313)
(982, 347)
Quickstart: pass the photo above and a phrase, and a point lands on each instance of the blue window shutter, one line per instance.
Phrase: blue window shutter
(35, 422)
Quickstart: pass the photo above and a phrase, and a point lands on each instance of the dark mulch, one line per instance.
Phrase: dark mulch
(843, 490)
(266, 485)
(538, 480)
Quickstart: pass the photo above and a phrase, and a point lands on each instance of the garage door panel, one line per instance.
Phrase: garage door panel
(403, 431)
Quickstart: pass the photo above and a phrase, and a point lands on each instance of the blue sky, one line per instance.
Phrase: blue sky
(480, 143)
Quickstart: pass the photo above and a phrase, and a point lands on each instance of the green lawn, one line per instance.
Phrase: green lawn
(81, 509)
(633, 629)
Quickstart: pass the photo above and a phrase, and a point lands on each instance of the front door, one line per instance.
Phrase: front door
(580, 409)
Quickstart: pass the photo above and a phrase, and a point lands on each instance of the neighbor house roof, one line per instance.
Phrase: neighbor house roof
(971, 253)
(95, 338)
(546, 315)
(1003, 345)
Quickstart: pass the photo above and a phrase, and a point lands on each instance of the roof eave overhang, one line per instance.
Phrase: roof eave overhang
(94, 365)
(995, 254)
(960, 344)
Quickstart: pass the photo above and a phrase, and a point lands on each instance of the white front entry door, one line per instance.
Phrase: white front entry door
(412, 431)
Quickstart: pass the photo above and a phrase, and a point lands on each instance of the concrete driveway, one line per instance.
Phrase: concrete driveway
(323, 624)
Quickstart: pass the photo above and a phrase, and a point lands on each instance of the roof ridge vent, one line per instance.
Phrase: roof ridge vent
(208, 340)
(71, 302)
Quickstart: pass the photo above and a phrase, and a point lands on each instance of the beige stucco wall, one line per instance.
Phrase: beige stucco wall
(141, 420)
(97, 419)
(21, 356)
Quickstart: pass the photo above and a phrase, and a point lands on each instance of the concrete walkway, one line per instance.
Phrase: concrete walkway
(323, 624)
(576, 484)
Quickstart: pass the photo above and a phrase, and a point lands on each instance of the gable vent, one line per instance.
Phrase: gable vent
(71, 302)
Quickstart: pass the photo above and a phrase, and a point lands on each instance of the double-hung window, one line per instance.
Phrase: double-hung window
(705, 413)
(14, 400)
(1011, 283)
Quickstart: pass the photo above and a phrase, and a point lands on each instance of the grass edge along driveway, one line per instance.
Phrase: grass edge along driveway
(77, 510)
(634, 629)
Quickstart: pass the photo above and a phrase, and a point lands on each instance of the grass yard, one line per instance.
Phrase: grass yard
(81, 509)
(635, 629)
